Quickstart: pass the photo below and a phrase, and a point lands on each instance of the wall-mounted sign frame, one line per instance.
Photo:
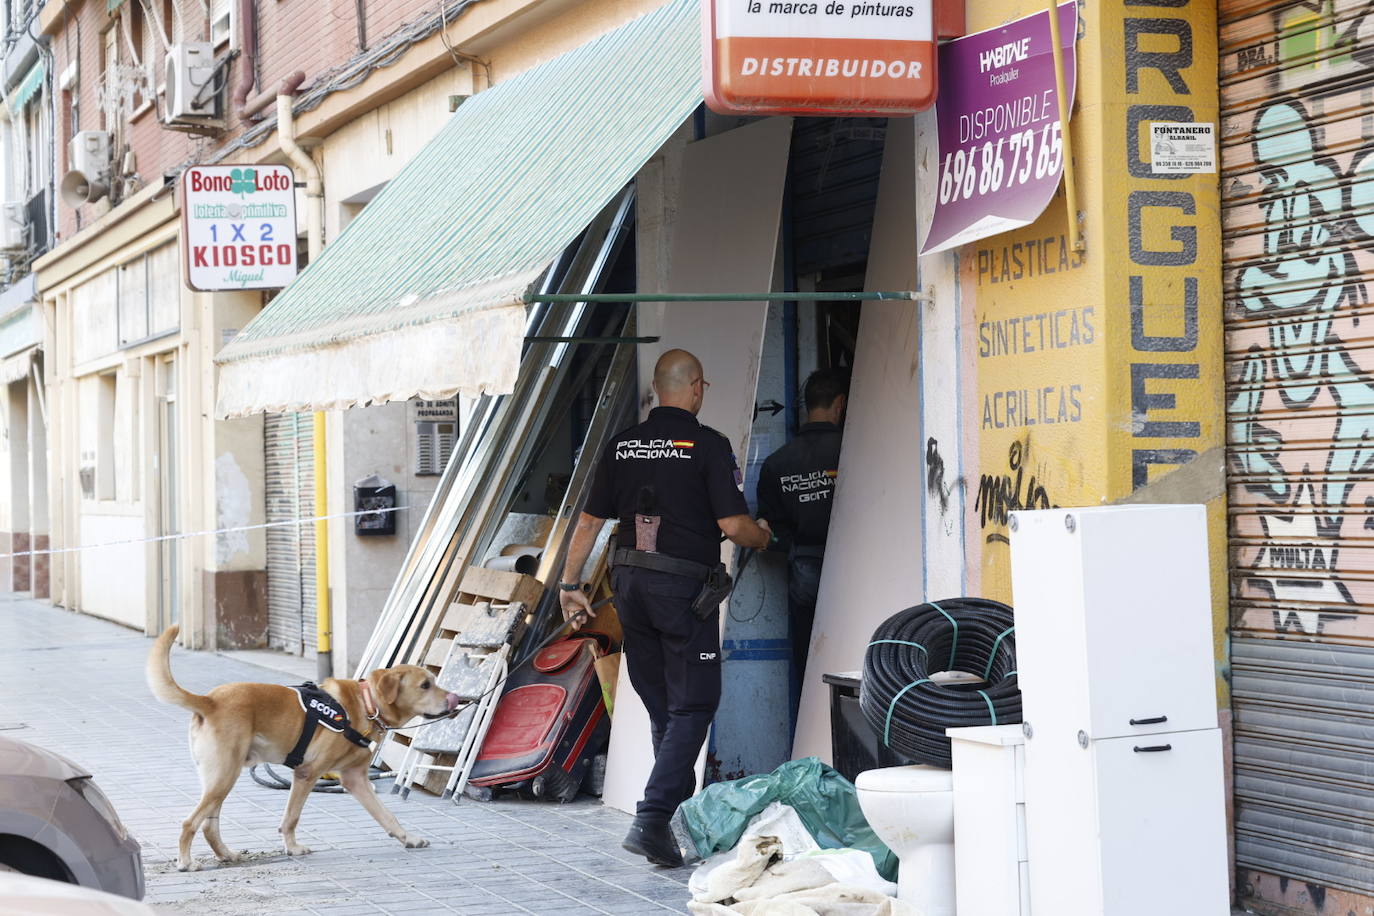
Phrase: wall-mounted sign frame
(239, 226)
(1000, 128)
(764, 57)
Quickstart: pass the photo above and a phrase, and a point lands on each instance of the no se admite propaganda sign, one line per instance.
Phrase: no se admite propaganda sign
(822, 57)
(238, 226)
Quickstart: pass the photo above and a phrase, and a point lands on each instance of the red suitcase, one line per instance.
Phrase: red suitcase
(549, 723)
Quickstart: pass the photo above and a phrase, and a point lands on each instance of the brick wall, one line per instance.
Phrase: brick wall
(308, 35)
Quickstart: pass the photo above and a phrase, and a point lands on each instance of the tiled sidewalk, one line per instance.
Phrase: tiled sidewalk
(76, 684)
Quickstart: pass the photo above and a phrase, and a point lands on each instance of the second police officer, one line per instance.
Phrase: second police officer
(796, 493)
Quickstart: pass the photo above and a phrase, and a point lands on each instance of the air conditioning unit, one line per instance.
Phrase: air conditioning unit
(89, 178)
(13, 226)
(191, 100)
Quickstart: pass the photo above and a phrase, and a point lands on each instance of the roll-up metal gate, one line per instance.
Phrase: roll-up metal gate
(833, 188)
(287, 439)
(1297, 82)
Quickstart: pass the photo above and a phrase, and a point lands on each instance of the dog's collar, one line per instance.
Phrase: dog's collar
(370, 708)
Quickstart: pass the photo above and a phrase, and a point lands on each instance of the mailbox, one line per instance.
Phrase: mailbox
(375, 499)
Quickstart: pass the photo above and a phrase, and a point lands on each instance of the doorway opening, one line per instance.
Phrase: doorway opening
(827, 227)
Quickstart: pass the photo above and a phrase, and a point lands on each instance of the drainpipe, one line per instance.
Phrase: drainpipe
(248, 54)
(314, 195)
(248, 66)
(250, 108)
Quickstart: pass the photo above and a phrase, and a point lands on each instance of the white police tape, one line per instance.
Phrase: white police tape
(197, 534)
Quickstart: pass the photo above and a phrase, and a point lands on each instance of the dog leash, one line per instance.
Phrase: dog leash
(747, 554)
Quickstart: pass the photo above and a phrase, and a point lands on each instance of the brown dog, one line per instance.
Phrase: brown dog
(237, 725)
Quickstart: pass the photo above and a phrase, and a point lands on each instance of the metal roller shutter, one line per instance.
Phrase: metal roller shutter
(290, 547)
(1305, 746)
(833, 185)
(1297, 87)
(305, 533)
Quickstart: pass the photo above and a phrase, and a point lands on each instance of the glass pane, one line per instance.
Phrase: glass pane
(164, 268)
(93, 316)
(133, 301)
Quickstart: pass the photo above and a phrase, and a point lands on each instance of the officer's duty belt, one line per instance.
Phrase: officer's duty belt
(642, 559)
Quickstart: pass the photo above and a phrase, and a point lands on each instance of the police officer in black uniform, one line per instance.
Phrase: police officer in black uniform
(675, 487)
(796, 492)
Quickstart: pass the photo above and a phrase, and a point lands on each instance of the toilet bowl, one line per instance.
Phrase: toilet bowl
(911, 809)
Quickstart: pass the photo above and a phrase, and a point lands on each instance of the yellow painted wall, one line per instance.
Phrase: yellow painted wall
(1037, 341)
(1110, 359)
(1166, 435)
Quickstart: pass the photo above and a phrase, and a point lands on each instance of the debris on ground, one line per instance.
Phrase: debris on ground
(759, 881)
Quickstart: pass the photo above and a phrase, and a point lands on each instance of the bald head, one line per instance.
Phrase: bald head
(676, 377)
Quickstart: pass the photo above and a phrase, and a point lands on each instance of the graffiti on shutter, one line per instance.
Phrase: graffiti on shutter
(1298, 223)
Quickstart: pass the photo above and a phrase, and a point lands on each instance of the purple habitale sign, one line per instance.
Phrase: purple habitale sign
(1001, 153)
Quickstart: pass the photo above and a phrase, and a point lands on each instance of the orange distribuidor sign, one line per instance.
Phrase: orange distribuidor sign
(822, 57)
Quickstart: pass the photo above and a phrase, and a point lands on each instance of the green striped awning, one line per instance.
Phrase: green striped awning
(423, 293)
(28, 87)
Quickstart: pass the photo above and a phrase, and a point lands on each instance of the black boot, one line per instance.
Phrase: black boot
(655, 842)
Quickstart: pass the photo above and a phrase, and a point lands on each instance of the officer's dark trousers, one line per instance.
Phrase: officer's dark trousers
(674, 661)
(803, 584)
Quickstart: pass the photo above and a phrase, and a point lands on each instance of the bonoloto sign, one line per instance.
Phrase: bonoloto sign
(239, 226)
(824, 57)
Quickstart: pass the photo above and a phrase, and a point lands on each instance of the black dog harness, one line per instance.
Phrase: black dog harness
(321, 709)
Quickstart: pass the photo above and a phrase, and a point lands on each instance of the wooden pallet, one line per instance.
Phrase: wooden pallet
(479, 586)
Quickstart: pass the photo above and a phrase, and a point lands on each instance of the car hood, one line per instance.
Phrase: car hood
(18, 758)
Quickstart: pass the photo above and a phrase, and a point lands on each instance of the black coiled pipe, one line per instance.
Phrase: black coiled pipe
(907, 711)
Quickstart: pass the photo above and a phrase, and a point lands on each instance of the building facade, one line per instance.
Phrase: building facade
(27, 163)
(138, 464)
(1212, 350)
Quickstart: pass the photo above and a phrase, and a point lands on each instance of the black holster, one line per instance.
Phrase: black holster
(714, 590)
(715, 581)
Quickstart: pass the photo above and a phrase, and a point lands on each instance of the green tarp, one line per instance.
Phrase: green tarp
(825, 801)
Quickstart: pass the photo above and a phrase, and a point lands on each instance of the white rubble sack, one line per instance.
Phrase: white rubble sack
(778, 821)
(761, 881)
(853, 867)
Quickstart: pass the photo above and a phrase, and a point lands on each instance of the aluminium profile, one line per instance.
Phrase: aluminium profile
(479, 486)
(611, 412)
(441, 517)
(493, 502)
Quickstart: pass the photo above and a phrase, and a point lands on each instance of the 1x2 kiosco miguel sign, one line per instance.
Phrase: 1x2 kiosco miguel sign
(238, 226)
(822, 57)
